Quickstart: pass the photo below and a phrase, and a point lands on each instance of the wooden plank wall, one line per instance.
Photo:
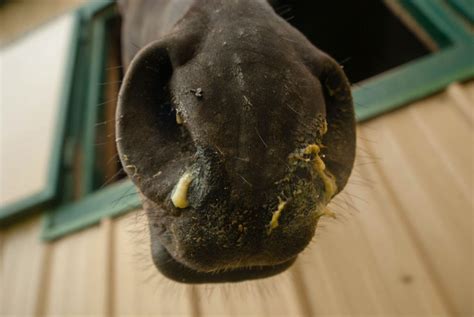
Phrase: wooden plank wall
(402, 243)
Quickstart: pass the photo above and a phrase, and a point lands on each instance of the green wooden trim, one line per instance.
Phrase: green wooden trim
(464, 7)
(25, 205)
(95, 79)
(93, 8)
(75, 119)
(440, 22)
(426, 75)
(95, 82)
(413, 81)
(86, 96)
(111, 201)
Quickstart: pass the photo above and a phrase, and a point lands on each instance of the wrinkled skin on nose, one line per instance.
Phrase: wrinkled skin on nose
(237, 132)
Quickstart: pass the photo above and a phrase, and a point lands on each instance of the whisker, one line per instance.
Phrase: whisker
(361, 180)
(107, 102)
(261, 139)
(101, 143)
(355, 196)
(104, 122)
(356, 209)
(219, 150)
(366, 151)
(367, 140)
(359, 183)
(368, 155)
(365, 163)
(112, 158)
(246, 181)
(110, 83)
(358, 104)
(111, 178)
(293, 110)
(345, 60)
(114, 67)
(116, 201)
(98, 124)
(285, 11)
(242, 159)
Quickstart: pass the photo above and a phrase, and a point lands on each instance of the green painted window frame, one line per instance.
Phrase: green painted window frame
(465, 8)
(25, 206)
(426, 75)
(373, 97)
(118, 197)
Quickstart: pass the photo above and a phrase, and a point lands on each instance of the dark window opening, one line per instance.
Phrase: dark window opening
(365, 36)
(107, 168)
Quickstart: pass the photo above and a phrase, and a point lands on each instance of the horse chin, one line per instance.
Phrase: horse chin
(177, 271)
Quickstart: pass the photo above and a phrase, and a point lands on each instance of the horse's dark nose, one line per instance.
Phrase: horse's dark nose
(235, 150)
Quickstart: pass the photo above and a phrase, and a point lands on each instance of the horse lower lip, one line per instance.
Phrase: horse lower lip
(178, 272)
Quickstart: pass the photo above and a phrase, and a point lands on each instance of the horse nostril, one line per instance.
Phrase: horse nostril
(201, 182)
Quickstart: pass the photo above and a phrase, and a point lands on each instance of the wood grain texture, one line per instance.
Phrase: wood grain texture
(21, 264)
(77, 278)
(139, 289)
(428, 167)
